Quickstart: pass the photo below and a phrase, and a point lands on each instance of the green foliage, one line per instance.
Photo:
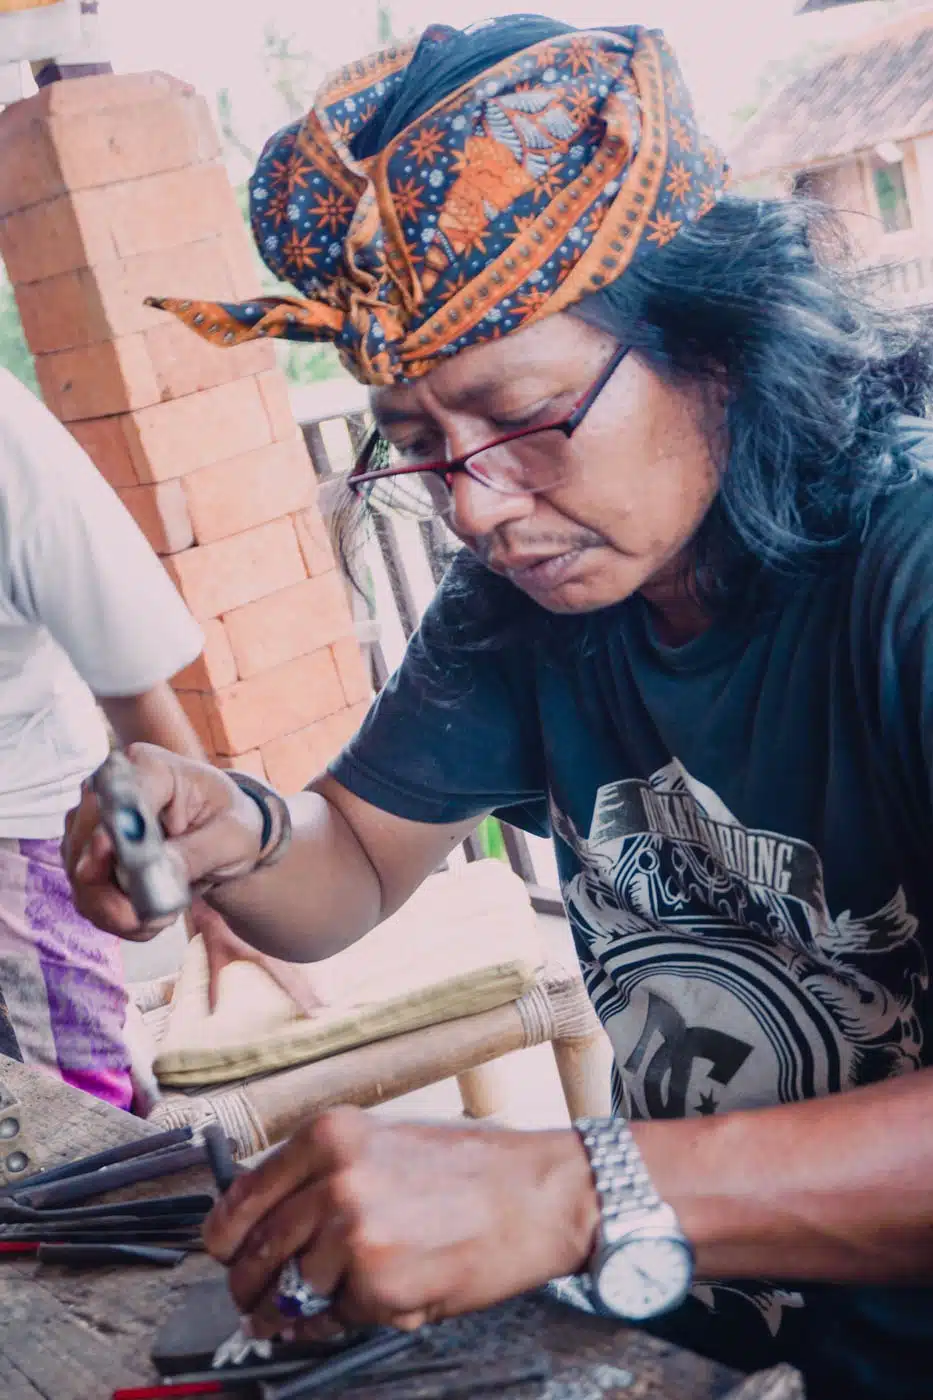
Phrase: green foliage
(490, 837)
(309, 364)
(14, 352)
(385, 30)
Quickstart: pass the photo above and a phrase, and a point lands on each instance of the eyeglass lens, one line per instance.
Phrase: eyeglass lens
(533, 463)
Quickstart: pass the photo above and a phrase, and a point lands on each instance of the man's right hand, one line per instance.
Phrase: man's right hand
(214, 828)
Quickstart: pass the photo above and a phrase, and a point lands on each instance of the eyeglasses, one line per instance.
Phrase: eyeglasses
(527, 460)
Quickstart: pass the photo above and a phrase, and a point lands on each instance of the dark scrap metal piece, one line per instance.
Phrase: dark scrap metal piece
(383, 1344)
(114, 1178)
(94, 1256)
(140, 1147)
(155, 1208)
(219, 1156)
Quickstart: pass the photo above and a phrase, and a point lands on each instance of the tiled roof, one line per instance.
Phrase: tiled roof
(806, 7)
(878, 89)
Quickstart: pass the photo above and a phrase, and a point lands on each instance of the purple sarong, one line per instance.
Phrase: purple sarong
(62, 978)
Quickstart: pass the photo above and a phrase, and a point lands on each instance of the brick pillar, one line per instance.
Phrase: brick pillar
(111, 188)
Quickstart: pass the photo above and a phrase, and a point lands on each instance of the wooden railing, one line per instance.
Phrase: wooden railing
(908, 282)
(402, 563)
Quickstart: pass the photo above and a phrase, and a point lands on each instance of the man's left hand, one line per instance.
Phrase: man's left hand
(223, 947)
(400, 1223)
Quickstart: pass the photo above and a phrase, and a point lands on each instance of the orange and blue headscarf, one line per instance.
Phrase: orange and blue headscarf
(412, 228)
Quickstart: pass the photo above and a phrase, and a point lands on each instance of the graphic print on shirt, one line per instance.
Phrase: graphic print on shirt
(718, 970)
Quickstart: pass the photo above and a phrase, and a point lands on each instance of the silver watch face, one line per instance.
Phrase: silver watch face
(644, 1276)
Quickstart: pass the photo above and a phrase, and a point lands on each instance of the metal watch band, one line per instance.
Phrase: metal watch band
(622, 1181)
(276, 827)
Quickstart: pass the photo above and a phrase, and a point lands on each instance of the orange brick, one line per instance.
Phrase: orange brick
(345, 724)
(106, 90)
(215, 667)
(98, 380)
(100, 126)
(104, 441)
(195, 708)
(59, 235)
(276, 702)
(216, 578)
(86, 305)
(246, 762)
(294, 760)
(290, 623)
(247, 490)
(273, 387)
(352, 670)
(243, 262)
(173, 438)
(129, 141)
(161, 512)
(29, 171)
(185, 364)
(187, 269)
(61, 313)
(316, 549)
(163, 211)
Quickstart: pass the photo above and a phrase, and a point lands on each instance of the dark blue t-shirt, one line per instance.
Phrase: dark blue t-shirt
(744, 835)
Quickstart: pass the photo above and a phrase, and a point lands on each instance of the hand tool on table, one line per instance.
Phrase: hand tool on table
(170, 1391)
(148, 1167)
(439, 1380)
(380, 1346)
(188, 1240)
(154, 1208)
(220, 1157)
(428, 1371)
(146, 868)
(238, 1348)
(92, 1256)
(44, 1209)
(83, 1166)
(182, 1223)
(88, 1255)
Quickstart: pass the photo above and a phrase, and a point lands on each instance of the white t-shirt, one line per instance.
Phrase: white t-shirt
(85, 609)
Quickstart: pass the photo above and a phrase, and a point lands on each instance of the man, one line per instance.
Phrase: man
(690, 634)
(86, 614)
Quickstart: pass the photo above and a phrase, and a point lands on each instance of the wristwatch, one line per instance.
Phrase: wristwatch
(642, 1263)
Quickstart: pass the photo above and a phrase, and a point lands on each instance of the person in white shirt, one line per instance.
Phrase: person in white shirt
(89, 622)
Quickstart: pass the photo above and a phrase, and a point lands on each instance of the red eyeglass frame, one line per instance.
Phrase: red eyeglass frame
(360, 476)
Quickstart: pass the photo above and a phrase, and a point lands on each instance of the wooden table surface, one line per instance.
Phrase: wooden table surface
(80, 1335)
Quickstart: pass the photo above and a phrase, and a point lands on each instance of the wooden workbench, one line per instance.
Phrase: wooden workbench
(79, 1336)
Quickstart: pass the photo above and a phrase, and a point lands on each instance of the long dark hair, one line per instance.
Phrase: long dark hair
(759, 299)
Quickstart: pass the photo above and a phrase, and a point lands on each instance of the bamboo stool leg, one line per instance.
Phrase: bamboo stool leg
(584, 1066)
(581, 1048)
(481, 1091)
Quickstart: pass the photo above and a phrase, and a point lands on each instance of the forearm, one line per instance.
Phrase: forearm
(349, 865)
(320, 897)
(154, 717)
(834, 1189)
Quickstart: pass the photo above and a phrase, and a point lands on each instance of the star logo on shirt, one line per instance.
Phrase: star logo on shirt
(707, 1105)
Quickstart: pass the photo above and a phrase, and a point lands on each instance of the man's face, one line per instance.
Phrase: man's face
(639, 474)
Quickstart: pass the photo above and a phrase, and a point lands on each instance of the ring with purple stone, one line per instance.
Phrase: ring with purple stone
(296, 1298)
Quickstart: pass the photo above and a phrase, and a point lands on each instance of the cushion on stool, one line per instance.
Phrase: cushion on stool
(466, 942)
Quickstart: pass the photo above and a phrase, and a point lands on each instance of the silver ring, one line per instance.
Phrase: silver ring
(296, 1298)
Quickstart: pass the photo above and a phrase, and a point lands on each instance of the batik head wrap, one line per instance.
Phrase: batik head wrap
(522, 190)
